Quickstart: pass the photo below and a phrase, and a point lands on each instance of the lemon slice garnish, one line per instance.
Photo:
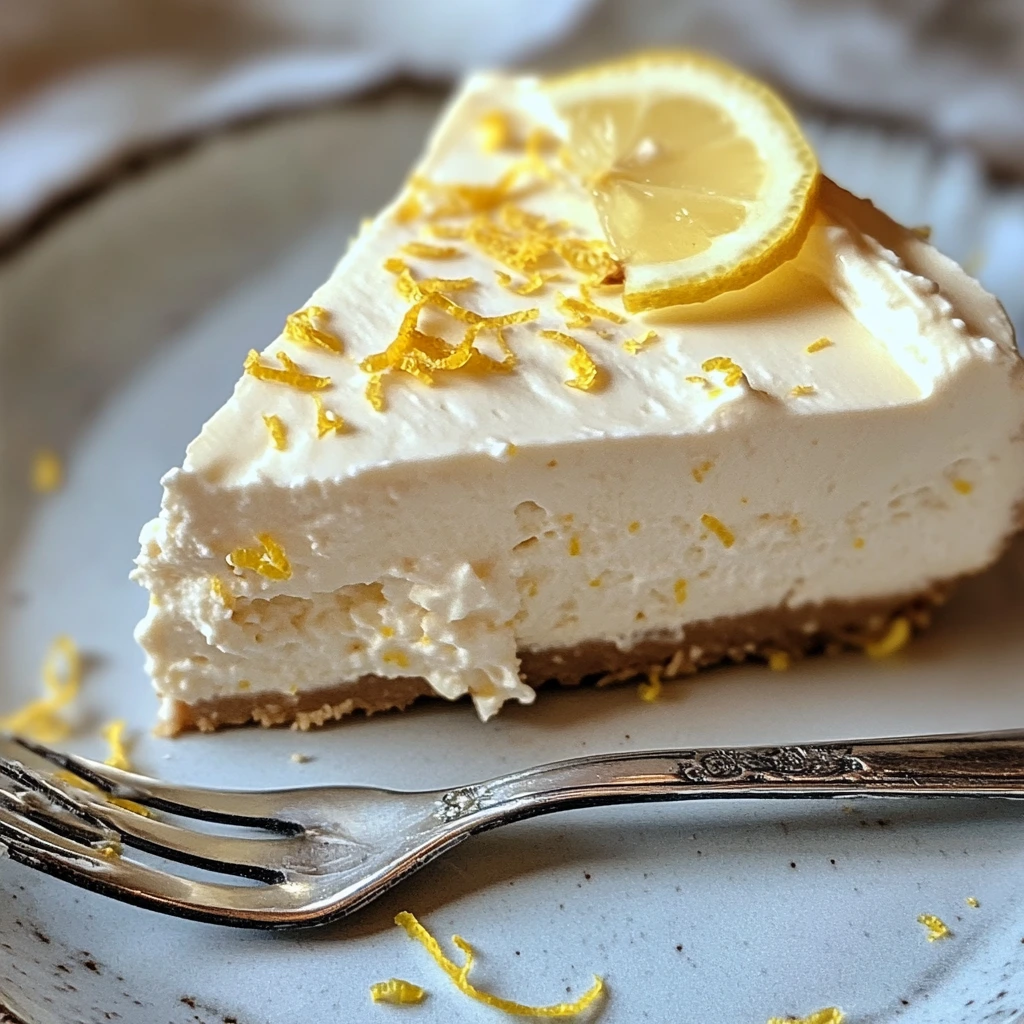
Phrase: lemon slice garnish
(701, 176)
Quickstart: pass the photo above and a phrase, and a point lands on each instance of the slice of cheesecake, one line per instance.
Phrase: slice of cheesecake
(466, 468)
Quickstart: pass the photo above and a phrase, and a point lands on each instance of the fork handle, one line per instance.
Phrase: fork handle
(972, 765)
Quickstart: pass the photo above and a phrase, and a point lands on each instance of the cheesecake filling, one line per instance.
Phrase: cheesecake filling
(848, 428)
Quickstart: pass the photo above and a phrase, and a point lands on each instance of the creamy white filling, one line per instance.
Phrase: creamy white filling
(486, 516)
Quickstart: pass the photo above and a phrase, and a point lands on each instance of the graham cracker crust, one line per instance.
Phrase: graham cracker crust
(827, 628)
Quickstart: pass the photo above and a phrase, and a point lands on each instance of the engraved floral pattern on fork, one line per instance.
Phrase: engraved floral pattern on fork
(769, 764)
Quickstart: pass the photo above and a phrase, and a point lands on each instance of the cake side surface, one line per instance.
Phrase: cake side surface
(848, 429)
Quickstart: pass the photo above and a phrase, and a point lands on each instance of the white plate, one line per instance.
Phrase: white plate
(123, 329)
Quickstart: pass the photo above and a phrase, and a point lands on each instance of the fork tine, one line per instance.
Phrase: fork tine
(263, 906)
(230, 808)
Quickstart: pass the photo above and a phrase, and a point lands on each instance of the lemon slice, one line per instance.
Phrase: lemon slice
(701, 176)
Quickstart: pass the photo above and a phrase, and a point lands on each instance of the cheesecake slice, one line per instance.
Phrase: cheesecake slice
(464, 467)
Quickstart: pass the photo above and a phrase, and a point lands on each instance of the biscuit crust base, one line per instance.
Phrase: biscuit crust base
(827, 628)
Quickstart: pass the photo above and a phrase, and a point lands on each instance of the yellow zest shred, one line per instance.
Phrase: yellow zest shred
(375, 391)
(113, 733)
(634, 526)
(409, 208)
(650, 691)
(858, 542)
(327, 421)
(62, 676)
(535, 280)
(803, 389)
(719, 529)
(414, 291)
(937, 928)
(580, 362)
(574, 545)
(289, 373)
(278, 432)
(698, 472)
(972, 901)
(894, 640)
(460, 199)
(679, 589)
(733, 371)
(817, 346)
(962, 486)
(397, 992)
(300, 328)
(923, 231)
(398, 658)
(426, 251)
(460, 977)
(221, 592)
(582, 311)
(268, 560)
(47, 471)
(779, 661)
(692, 379)
(635, 345)
(595, 582)
(828, 1015)
(494, 131)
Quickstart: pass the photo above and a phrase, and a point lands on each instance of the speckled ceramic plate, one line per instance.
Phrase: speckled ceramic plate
(123, 327)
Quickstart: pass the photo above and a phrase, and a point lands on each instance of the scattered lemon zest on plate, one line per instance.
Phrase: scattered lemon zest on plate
(828, 1015)
(650, 690)
(803, 389)
(580, 362)
(494, 130)
(679, 590)
(327, 420)
(301, 328)
(113, 733)
(635, 345)
(719, 529)
(47, 471)
(277, 430)
(375, 392)
(699, 472)
(460, 977)
(289, 373)
(821, 343)
(397, 992)
(972, 901)
(937, 928)
(894, 640)
(268, 560)
(40, 719)
(426, 251)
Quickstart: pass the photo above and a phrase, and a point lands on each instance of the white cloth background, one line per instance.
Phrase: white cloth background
(82, 81)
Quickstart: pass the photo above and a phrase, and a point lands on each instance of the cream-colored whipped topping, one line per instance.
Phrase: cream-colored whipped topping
(848, 427)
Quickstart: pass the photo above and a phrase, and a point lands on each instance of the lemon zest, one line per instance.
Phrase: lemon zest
(398, 658)
(962, 486)
(574, 546)
(894, 640)
(375, 391)
(494, 131)
(821, 343)
(221, 592)
(460, 976)
(972, 901)
(580, 362)
(779, 661)
(923, 231)
(635, 345)
(47, 471)
(300, 328)
(113, 733)
(650, 690)
(733, 371)
(679, 589)
(698, 472)
(634, 526)
(268, 560)
(426, 251)
(803, 389)
(535, 280)
(828, 1015)
(327, 420)
(858, 542)
(278, 432)
(397, 992)
(40, 719)
(289, 373)
(719, 529)
(937, 928)
(409, 208)
(582, 311)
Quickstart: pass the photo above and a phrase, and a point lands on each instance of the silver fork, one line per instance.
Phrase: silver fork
(324, 852)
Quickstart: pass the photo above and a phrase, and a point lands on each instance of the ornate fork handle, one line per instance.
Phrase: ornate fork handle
(985, 765)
